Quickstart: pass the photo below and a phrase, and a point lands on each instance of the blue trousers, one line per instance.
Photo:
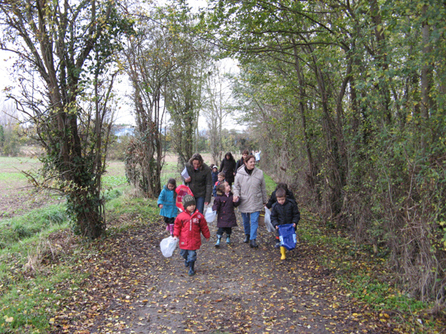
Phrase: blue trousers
(189, 255)
(251, 223)
(200, 204)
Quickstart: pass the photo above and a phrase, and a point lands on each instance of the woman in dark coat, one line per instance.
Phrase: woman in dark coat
(199, 181)
(224, 205)
(228, 167)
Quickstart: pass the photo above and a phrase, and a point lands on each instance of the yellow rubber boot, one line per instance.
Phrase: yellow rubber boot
(282, 251)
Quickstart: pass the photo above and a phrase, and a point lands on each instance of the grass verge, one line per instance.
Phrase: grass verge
(31, 267)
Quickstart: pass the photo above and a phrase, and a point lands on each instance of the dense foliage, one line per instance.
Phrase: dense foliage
(347, 98)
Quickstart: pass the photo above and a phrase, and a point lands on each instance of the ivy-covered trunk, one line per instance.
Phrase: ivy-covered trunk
(86, 208)
(69, 46)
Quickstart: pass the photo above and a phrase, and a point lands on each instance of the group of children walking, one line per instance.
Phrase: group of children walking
(190, 224)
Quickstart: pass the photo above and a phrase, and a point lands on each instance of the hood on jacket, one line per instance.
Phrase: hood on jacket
(220, 193)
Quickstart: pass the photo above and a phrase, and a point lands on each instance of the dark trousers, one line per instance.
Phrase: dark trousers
(222, 230)
(168, 220)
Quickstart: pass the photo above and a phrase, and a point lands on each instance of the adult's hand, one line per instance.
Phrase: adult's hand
(235, 198)
(206, 203)
(188, 179)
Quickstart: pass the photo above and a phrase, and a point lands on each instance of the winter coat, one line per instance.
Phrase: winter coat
(224, 206)
(167, 199)
(228, 167)
(251, 190)
(188, 228)
(239, 164)
(288, 213)
(201, 181)
(214, 177)
(273, 198)
(214, 189)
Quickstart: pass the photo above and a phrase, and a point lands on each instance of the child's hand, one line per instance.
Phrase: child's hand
(277, 227)
(294, 225)
(175, 238)
(160, 206)
(207, 239)
(235, 199)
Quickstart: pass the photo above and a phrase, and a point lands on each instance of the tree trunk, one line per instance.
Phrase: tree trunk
(312, 175)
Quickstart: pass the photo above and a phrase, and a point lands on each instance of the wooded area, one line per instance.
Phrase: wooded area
(345, 98)
(348, 98)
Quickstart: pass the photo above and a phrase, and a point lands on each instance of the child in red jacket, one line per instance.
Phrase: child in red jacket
(188, 226)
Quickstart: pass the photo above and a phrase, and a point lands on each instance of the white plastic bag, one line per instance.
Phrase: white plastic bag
(168, 246)
(210, 215)
(268, 224)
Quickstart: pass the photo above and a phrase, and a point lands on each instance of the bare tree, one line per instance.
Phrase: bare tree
(216, 110)
(66, 49)
(149, 62)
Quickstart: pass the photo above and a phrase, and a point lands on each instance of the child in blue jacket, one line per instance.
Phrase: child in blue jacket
(166, 202)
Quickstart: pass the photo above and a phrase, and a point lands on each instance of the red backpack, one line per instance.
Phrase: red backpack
(182, 190)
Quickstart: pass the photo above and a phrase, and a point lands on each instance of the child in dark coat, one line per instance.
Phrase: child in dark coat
(224, 205)
(285, 211)
(273, 198)
(214, 174)
(188, 226)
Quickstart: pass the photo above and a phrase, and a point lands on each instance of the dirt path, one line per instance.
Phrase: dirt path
(132, 288)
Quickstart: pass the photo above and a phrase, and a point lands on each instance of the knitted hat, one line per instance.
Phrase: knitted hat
(188, 200)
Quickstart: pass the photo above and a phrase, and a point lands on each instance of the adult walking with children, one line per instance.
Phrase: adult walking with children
(249, 188)
(199, 181)
(228, 167)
